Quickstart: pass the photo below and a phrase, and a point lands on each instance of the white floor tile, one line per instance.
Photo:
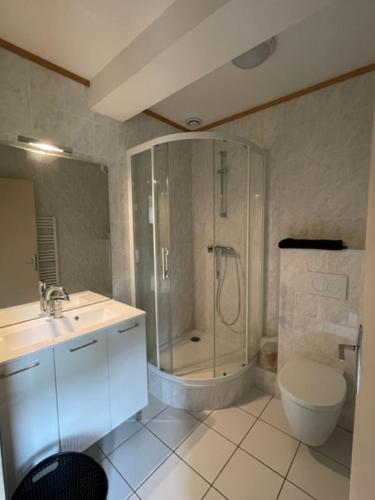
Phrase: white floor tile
(232, 423)
(173, 480)
(254, 401)
(139, 456)
(319, 476)
(94, 452)
(291, 492)
(271, 446)
(245, 478)
(274, 415)
(206, 451)
(123, 432)
(118, 489)
(154, 407)
(214, 495)
(173, 425)
(339, 446)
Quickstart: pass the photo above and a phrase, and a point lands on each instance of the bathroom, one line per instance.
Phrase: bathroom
(215, 363)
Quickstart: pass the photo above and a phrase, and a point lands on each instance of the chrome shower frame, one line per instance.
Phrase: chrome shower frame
(184, 136)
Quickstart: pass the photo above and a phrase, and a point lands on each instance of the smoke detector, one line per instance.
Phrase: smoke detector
(255, 56)
(193, 122)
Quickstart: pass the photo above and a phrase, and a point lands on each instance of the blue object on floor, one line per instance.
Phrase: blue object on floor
(64, 476)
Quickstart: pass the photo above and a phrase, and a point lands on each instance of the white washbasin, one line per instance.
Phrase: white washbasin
(40, 333)
(83, 318)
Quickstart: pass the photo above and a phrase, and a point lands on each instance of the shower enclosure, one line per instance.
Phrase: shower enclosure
(196, 205)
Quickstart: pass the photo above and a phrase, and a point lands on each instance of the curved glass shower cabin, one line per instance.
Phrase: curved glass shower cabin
(196, 215)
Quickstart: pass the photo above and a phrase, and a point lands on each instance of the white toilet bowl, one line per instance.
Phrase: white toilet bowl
(312, 395)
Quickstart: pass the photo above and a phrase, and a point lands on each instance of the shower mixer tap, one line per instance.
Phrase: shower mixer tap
(224, 250)
(221, 249)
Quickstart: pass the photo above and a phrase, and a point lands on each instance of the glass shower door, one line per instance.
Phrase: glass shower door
(143, 229)
(150, 192)
(231, 227)
(162, 255)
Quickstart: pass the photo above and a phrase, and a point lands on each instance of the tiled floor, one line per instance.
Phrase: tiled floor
(245, 452)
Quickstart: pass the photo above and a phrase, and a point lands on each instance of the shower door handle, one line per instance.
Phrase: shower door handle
(164, 263)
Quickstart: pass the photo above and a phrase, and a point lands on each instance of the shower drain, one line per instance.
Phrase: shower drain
(195, 339)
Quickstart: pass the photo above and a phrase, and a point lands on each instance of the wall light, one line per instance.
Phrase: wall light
(46, 147)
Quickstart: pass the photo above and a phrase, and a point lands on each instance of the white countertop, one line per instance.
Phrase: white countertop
(34, 335)
(31, 310)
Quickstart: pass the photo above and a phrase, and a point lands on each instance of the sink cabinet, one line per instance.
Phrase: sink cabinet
(28, 413)
(127, 370)
(82, 391)
(69, 396)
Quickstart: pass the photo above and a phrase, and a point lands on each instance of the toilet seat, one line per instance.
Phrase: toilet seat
(312, 385)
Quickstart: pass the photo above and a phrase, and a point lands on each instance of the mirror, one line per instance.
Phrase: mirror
(54, 226)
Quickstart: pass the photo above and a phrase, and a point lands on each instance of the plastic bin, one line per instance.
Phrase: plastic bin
(64, 476)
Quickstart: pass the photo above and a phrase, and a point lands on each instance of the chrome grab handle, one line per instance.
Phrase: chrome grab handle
(357, 349)
(73, 349)
(33, 365)
(127, 329)
(164, 263)
(358, 359)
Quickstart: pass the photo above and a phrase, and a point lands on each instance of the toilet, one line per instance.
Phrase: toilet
(312, 396)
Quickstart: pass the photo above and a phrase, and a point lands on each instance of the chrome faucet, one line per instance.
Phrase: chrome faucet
(51, 300)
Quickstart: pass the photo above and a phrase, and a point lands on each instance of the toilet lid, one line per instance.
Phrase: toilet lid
(312, 384)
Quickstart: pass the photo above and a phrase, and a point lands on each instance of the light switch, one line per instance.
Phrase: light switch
(328, 284)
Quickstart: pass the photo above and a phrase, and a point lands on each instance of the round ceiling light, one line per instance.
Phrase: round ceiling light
(255, 56)
(193, 122)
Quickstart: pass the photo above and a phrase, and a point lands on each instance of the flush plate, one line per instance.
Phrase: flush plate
(328, 284)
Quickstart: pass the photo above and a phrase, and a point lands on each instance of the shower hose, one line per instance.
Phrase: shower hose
(229, 323)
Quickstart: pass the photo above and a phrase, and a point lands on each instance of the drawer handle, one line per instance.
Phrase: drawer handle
(33, 365)
(73, 349)
(129, 328)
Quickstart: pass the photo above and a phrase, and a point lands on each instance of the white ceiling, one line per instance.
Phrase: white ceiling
(333, 41)
(190, 40)
(79, 35)
(172, 55)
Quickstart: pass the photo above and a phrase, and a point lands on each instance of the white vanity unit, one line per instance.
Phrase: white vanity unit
(65, 383)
